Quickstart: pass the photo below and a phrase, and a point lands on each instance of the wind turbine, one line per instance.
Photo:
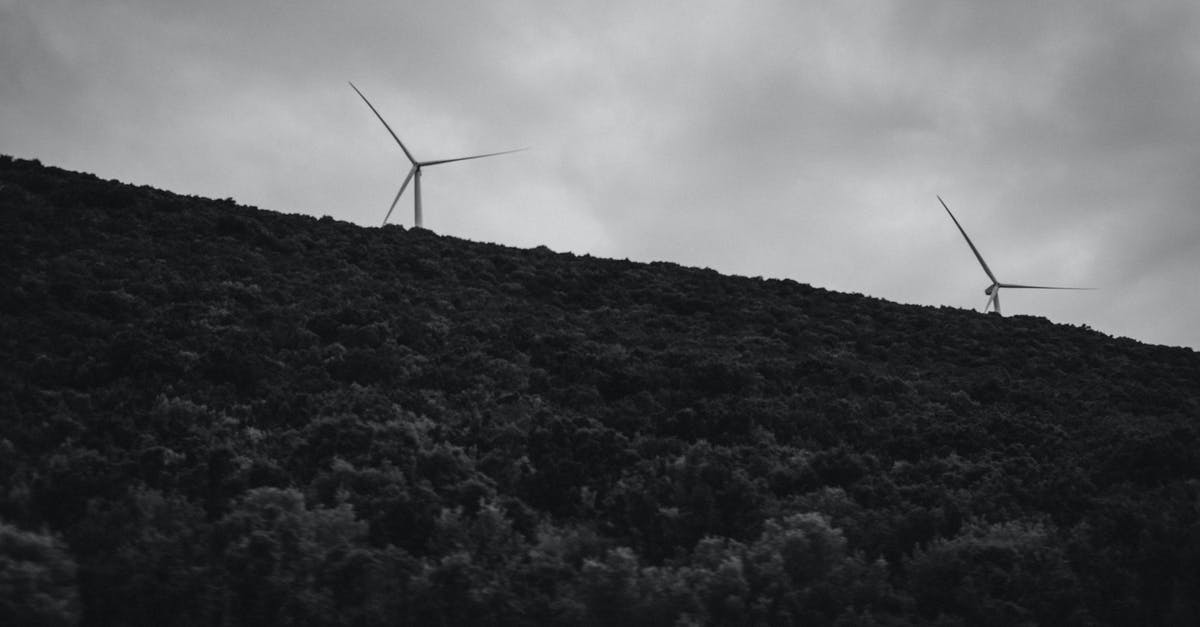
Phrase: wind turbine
(993, 290)
(415, 171)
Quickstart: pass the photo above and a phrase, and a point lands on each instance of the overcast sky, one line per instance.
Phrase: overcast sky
(785, 139)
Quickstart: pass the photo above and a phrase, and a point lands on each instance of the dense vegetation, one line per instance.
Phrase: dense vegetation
(215, 415)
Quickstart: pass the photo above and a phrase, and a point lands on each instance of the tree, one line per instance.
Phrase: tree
(37, 580)
(1011, 573)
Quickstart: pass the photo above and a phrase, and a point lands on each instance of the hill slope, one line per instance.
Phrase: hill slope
(218, 415)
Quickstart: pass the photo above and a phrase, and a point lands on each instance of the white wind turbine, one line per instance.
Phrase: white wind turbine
(993, 290)
(415, 171)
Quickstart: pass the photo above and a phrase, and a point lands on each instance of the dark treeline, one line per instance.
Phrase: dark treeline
(214, 415)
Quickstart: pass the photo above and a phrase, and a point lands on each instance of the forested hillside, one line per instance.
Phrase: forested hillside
(216, 415)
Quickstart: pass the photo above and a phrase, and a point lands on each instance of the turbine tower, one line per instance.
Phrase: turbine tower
(414, 173)
(993, 290)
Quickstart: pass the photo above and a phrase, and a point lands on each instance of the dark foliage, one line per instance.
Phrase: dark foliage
(215, 415)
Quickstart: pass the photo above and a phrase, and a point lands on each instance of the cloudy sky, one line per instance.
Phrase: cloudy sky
(788, 139)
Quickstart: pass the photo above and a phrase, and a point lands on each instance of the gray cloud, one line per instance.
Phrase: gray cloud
(803, 140)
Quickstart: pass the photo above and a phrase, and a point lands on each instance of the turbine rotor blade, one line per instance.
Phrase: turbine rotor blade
(490, 154)
(397, 198)
(1042, 287)
(969, 242)
(385, 125)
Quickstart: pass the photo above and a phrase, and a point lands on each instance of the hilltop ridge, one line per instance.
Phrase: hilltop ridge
(268, 418)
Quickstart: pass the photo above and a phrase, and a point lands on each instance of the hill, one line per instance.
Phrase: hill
(213, 414)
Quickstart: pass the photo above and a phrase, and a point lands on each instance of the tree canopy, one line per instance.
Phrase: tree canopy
(216, 415)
